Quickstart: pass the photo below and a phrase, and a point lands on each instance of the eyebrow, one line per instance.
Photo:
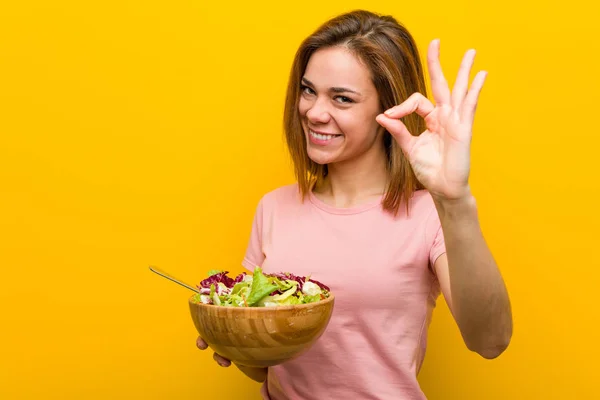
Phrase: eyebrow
(333, 89)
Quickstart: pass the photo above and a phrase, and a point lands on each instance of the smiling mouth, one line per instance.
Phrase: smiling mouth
(321, 136)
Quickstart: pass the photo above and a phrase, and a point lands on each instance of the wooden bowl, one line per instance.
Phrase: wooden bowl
(261, 336)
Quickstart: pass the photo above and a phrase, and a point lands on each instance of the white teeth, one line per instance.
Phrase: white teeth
(321, 137)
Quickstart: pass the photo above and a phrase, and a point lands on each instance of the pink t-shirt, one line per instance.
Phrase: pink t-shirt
(380, 269)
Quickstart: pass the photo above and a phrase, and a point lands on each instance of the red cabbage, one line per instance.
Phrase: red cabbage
(299, 279)
(215, 279)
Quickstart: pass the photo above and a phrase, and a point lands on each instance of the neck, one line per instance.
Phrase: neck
(354, 182)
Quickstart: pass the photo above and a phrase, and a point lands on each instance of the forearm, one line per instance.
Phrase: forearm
(480, 301)
(256, 374)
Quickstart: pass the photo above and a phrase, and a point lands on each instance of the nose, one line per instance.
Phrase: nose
(318, 113)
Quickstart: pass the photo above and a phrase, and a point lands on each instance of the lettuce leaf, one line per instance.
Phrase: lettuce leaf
(311, 299)
(261, 287)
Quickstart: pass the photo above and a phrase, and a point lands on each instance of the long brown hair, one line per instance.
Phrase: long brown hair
(390, 53)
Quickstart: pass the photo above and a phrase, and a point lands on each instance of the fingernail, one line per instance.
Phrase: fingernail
(389, 112)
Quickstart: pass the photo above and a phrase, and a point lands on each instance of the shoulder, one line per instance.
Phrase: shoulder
(283, 199)
(425, 212)
(279, 204)
(282, 195)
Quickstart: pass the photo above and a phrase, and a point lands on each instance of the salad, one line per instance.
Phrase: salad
(259, 289)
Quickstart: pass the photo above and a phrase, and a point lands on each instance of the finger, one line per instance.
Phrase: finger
(439, 86)
(398, 130)
(223, 362)
(201, 343)
(415, 103)
(467, 113)
(462, 80)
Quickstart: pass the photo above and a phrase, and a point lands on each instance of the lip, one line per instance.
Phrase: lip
(321, 133)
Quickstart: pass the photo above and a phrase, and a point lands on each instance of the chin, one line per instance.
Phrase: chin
(319, 160)
(321, 157)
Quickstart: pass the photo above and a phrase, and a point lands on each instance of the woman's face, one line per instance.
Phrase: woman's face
(338, 105)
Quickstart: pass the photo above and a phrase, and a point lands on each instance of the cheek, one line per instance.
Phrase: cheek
(352, 124)
(358, 128)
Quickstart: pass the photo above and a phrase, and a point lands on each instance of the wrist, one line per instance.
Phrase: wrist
(460, 208)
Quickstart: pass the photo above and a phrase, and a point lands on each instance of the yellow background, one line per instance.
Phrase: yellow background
(142, 132)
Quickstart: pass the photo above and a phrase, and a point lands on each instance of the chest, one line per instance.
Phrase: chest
(367, 264)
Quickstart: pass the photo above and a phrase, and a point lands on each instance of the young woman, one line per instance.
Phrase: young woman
(382, 212)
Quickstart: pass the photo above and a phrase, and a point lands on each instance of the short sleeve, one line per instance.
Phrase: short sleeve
(254, 252)
(435, 238)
